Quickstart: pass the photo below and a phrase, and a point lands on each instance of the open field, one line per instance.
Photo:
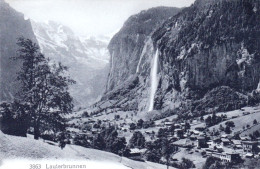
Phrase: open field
(240, 122)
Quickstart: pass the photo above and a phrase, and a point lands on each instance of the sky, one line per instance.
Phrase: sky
(89, 17)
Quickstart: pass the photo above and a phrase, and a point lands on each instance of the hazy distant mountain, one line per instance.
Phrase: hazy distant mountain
(87, 58)
(12, 26)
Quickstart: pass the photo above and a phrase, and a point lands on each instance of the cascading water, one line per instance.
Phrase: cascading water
(154, 80)
(258, 87)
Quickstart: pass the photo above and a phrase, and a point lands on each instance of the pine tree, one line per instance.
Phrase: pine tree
(186, 163)
(227, 130)
(167, 150)
(119, 145)
(137, 140)
(140, 123)
(99, 142)
(44, 88)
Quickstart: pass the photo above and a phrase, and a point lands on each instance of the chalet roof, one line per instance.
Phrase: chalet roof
(237, 142)
(180, 142)
(215, 138)
(216, 153)
(211, 150)
(250, 142)
(168, 123)
(225, 140)
(249, 154)
(48, 132)
(195, 131)
(94, 129)
(230, 151)
(137, 150)
(223, 136)
(245, 138)
(201, 138)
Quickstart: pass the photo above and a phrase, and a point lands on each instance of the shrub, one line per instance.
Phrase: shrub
(14, 119)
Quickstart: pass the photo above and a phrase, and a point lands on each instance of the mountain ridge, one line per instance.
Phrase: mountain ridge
(87, 59)
(12, 26)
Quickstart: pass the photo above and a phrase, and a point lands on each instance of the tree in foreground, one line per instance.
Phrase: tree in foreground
(167, 150)
(137, 140)
(14, 118)
(44, 89)
(108, 140)
(186, 164)
(153, 153)
(213, 163)
(160, 151)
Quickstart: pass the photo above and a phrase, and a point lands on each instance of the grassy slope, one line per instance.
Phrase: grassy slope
(12, 147)
(242, 120)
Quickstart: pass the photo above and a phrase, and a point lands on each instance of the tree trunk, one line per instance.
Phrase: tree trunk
(36, 129)
(167, 163)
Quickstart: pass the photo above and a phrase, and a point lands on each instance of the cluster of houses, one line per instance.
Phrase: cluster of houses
(219, 147)
(224, 147)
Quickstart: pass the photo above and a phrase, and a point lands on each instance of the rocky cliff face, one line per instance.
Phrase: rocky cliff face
(131, 51)
(206, 46)
(12, 26)
(127, 47)
(208, 60)
(87, 59)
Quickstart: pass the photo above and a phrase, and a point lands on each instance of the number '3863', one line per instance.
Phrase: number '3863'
(35, 166)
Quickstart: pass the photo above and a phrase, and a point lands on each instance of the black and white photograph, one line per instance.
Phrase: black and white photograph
(129, 84)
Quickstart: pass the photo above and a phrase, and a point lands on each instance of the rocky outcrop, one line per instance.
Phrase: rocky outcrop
(12, 26)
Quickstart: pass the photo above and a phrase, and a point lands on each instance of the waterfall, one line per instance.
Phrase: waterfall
(140, 60)
(258, 87)
(154, 80)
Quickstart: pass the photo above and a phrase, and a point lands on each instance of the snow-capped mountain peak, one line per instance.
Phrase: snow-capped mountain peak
(86, 56)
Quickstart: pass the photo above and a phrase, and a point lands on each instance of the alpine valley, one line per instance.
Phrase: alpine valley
(208, 59)
(175, 86)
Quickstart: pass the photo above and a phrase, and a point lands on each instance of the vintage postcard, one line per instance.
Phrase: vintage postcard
(129, 84)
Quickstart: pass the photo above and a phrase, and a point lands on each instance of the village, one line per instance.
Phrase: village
(230, 136)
